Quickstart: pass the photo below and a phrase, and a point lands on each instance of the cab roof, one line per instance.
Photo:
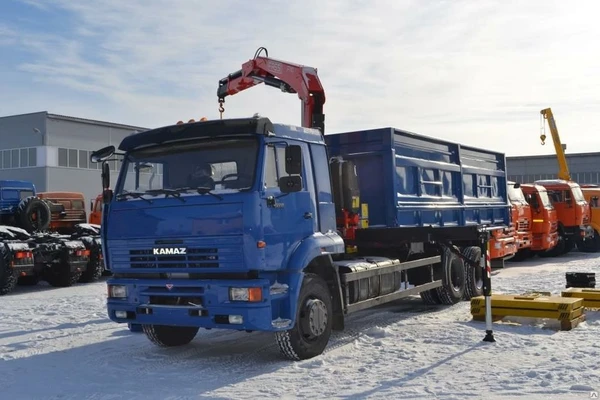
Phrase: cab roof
(216, 128)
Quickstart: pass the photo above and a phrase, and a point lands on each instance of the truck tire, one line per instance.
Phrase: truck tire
(33, 214)
(453, 278)
(93, 270)
(473, 275)
(8, 280)
(314, 319)
(60, 275)
(430, 297)
(170, 336)
(591, 245)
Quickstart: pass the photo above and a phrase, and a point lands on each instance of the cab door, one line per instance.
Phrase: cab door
(287, 218)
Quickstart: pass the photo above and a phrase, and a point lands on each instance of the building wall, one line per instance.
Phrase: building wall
(584, 167)
(53, 151)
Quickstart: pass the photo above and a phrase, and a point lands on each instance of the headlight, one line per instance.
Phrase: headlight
(117, 291)
(253, 294)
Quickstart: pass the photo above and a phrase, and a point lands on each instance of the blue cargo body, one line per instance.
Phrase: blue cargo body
(411, 180)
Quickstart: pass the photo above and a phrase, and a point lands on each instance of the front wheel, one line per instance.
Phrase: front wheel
(170, 336)
(314, 317)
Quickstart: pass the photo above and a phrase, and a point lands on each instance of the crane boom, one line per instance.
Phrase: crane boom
(289, 77)
(563, 168)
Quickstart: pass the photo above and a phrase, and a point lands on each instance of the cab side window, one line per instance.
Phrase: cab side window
(274, 166)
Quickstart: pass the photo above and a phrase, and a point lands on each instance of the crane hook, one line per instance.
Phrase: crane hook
(221, 107)
(543, 138)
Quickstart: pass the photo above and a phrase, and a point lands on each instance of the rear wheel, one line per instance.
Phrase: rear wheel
(314, 318)
(93, 270)
(60, 275)
(170, 336)
(453, 278)
(474, 274)
(591, 245)
(430, 297)
(8, 279)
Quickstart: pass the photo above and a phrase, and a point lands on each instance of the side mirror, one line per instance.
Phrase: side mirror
(517, 185)
(293, 160)
(290, 184)
(91, 205)
(105, 175)
(102, 154)
(107, 195)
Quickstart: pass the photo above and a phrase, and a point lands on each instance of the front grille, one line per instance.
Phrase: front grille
(523, 225)
(195, 258)
(200, 253)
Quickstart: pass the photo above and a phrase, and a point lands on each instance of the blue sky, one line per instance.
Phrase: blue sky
(475, 72)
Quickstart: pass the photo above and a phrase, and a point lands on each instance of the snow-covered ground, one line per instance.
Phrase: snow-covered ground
(59, 344)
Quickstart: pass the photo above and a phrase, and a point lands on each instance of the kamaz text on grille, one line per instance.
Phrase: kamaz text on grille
(169, 250)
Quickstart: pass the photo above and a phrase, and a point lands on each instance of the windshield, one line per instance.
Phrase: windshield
(515, 194)
(216, 165)
(577, 194)
(545, 199)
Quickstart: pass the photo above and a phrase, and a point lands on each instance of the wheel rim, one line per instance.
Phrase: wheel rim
(313, 319)
(455, 277)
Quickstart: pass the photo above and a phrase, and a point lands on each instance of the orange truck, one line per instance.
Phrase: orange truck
(566, 196)
(543, 226)
(591, 193)
(573, 213)
(96, 210)
(534, 220)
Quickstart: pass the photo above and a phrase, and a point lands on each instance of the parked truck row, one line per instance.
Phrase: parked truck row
(45, 236)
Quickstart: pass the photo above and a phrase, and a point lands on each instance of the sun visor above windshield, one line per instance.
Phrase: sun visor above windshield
(172, 133)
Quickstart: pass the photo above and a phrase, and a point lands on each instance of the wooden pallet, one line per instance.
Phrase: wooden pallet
(591, 297)
(568, 311)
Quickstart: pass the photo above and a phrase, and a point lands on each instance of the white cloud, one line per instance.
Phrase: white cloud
(472, 72)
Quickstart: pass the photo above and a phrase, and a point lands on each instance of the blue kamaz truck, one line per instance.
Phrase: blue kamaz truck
(252, 225)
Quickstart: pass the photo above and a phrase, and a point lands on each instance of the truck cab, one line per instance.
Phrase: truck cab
(572, 210)
(591, 193)
(96, 210)
(544, 219)
(520, 218)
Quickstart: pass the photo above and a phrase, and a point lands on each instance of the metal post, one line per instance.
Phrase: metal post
(486, 265)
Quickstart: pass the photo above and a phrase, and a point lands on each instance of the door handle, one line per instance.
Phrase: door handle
(307, 215)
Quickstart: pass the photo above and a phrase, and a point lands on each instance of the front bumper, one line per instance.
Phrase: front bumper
(202, 303)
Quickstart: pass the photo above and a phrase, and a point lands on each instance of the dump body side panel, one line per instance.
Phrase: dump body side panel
(411, 180)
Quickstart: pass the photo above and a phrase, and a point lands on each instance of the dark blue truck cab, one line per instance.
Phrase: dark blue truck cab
(250, 225)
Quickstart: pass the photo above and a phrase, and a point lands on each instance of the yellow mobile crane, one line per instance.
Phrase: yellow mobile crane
(563, 168)
(566, 196)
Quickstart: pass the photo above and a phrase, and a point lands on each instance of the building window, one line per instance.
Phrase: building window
(24, 158)
(62, 157)
(14, 163)
(32, 157)
(73, 158)
(83, 159)
(18, 158)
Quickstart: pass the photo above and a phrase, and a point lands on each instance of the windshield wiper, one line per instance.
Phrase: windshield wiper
(200, 190)
(167, 192)
(136, 195)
